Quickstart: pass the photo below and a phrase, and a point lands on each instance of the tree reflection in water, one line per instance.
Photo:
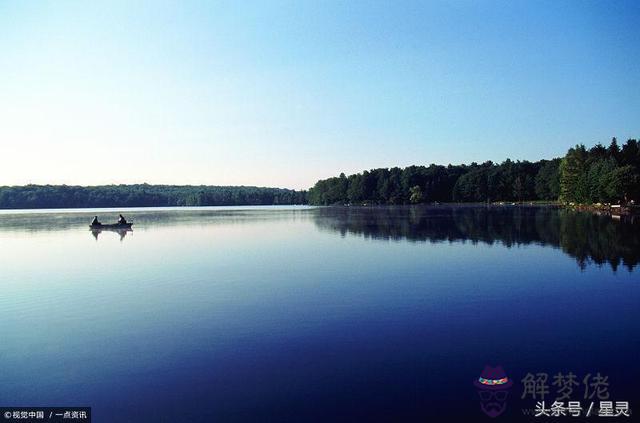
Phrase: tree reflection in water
(588, 237)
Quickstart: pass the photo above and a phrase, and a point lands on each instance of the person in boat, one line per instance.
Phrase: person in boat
(122, 220)
(95, 221)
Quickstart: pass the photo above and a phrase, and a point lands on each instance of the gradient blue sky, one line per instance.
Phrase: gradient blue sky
(284, 93)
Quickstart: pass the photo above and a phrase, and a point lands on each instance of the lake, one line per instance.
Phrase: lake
(314, 314)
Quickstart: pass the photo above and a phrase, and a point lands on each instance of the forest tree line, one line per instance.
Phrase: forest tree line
(599, 174)
(584, 176)
(142, 195)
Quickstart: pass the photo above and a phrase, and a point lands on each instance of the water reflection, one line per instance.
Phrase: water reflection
(271, 315)
(587, 237)
(144, 218)
(121, 232)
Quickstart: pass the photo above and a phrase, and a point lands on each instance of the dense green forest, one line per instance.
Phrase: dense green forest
(142, 195)
(584, 176)
(600, 174)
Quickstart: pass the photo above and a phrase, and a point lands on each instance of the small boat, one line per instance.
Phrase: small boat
(112, 226)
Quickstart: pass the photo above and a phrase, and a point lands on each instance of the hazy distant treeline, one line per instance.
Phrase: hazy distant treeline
(142, 195)
(599, 174)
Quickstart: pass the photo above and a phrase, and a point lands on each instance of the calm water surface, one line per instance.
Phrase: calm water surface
(299, 314)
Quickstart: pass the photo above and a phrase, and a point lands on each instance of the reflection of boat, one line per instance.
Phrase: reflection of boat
(118, 228)
(113, 226)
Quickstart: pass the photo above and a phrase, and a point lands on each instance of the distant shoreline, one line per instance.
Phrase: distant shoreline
(143, 195)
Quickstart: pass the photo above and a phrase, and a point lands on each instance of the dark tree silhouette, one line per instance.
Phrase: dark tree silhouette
(597, 175)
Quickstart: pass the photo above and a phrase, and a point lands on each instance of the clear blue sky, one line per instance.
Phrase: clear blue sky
(284, 93)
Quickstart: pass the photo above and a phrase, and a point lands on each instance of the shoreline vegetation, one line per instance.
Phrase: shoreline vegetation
(601, 179)
(142, 195)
